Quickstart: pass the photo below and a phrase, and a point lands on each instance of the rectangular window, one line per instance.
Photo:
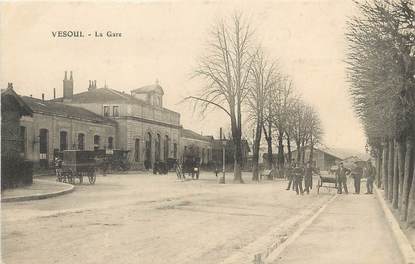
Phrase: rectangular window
(115, 111)
(106, 110)
(63, 140)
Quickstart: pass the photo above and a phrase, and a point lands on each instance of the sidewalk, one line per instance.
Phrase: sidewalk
(40, 189)
(352, 229)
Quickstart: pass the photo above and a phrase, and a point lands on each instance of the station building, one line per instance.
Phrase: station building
(104, 118)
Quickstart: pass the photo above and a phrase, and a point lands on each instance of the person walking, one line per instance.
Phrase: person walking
(369, 173)
(357, 176)
(298, 179)
(308, 178)
(342, 173)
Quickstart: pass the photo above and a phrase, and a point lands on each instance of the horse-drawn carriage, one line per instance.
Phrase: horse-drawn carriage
(76, 164)
(191, 166)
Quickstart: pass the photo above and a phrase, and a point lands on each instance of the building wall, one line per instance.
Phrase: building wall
(55, 125)
(132, 130)
(202, 148)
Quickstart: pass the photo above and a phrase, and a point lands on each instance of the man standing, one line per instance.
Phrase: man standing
(298, 179)
(290, 174)
(369, 173)
(342, 173)
(357, 176)
(308, 177)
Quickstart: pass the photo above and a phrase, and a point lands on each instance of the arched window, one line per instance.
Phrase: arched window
(148, 158)
(166, 147)
(157, 147)
(96, 142)
(110, 142)
(81, 141)
(137, 150)
(63, 140)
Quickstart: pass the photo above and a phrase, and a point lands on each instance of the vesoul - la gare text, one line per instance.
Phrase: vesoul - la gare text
(81, 34)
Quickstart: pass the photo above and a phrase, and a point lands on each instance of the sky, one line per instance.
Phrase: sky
(162, 41)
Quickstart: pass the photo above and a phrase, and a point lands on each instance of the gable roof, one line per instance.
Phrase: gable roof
(341, 153)
(64, 110)
(24, 108)
(153, 88)
(187, 133)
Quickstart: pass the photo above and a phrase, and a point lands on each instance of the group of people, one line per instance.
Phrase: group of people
(357, 173)
(296, 173)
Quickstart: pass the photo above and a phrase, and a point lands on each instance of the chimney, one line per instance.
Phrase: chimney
(68, 87)
(43, 97)
(92, 85)
(9, 85)
(54, 93)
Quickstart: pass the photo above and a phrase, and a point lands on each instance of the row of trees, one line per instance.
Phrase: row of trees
(381, 67)
(241, 80)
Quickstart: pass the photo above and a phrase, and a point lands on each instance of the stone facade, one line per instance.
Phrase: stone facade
(101, 118)
(50, 130)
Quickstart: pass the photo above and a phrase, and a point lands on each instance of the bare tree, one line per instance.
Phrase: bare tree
(226, 69)
(263, 78)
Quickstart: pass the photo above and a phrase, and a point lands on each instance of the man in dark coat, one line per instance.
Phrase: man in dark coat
(356, 173)
(369, 173)
(290, 175)
(298, 179)
(342, 173)
(308, 177)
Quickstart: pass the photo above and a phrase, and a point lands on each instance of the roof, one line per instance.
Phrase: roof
(187, 133)
(102, 95)
(64, 110)
(153, 88)
(342, 153)
(23, 106)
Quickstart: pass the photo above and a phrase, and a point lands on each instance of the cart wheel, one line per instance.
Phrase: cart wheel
(92, 177)
(71, 177)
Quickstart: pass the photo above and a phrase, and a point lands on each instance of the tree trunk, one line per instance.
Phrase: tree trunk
(289, 149)
(268, 138)
(236, 135)
(395, 193)
(390, 170)
(311, 157)
(385, 169)
(401, 169)
(379, 169)
(255, 153)
(407, 179)
(302, 152)
(298, 151)
(411, 204)
(280, 150)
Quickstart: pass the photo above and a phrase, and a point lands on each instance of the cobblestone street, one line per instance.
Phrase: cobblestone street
(141, 218)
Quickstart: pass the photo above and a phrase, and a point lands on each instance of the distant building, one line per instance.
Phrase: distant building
(197, 145)
(324, 157)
